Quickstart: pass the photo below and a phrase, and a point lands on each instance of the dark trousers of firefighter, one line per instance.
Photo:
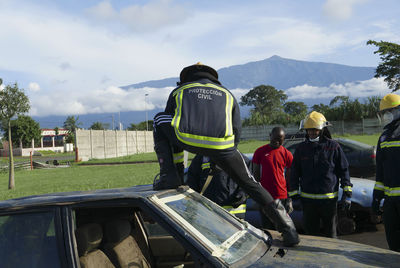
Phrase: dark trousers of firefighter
(231, 161)
(316, 212)
(391, 220)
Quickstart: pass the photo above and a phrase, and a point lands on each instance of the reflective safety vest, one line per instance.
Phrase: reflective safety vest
(203, 116)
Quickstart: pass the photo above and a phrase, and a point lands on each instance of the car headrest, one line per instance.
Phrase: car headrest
(88, 237)
(117, 230)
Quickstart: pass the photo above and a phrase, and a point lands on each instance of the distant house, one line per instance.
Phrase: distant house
(49, 141)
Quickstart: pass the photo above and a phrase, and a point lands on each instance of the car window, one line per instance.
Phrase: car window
(225, 236)
(28, 240)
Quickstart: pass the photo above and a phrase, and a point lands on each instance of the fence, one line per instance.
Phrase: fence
(101, 144)
(363, 127)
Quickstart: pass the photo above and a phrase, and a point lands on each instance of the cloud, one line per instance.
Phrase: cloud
(340, 9)
(361, 89)
(108, 100)
(141, 18)
(65, 66)
(33, 86)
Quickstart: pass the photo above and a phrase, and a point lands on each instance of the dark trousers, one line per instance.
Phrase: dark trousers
(391, 220)
(316, 212)
(230, 160)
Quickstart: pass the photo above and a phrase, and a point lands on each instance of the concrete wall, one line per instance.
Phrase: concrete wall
(101, 144)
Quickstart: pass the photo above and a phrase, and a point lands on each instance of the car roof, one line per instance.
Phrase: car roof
(135, 192)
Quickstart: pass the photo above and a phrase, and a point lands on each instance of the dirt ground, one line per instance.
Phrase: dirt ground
(374, 236)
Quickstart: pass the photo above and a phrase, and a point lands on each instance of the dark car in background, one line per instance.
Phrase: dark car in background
(361, 156)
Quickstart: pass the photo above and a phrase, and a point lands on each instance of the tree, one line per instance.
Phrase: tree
(267, 102)
(71, 124)
(296, 110)
(97, 126)
(142, 126)
(24, 129)
(390, 65)
(13, 101)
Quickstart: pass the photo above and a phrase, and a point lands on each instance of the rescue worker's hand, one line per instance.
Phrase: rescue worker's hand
(345, 202)
(288, 205)
(376, 206)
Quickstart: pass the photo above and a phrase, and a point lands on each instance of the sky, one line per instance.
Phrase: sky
(71, 57)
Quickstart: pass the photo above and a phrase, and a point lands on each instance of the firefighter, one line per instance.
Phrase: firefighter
(203, 117)
(205, 177)
(318, 163)
(387, 184)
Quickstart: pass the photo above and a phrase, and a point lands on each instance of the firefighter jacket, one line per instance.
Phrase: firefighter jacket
(221, 189)
(205, 114)
(388, 163)
(316, 169)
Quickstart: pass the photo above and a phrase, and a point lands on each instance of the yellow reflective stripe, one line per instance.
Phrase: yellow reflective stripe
(239, 209)
(319, 196)
(387, 144)
(178, 157)
(205, 165)
(203, 141)
(392, 191)
(292, 193)
(347, 188)
(379, 186)
(228, 112)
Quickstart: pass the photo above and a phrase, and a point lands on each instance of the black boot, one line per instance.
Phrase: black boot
(276, 212)
(169, 178)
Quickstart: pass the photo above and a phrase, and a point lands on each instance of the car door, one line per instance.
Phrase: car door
(31, 238)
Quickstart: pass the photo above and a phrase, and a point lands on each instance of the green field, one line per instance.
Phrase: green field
(81, 177)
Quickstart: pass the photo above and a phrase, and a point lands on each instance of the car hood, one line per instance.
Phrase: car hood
(316, 251)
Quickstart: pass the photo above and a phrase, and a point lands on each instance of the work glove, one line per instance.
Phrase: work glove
(288, 205)
(345, 202)
(376, 206)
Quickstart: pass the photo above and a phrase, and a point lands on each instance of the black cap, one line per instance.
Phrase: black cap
(198, 67)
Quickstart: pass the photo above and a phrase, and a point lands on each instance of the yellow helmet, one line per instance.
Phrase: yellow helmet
(314, 120)
(197, 67)
(389, 101)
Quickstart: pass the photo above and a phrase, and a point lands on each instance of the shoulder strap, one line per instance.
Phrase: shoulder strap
(206, 184)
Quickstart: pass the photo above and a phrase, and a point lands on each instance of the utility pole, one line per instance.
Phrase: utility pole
(112, 121)
(147, 124)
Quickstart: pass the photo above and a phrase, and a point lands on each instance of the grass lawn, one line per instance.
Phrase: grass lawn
(80, 177)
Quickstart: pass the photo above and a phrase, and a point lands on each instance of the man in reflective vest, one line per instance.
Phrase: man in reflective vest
(387, 184)
(203, 117)
(209, 180)
(318, 165)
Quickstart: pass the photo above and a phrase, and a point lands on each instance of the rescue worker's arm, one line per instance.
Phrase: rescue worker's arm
(288, 164)
(236, 122)
(379, 189)
(295, 175)
(171, 104)
(342, 172)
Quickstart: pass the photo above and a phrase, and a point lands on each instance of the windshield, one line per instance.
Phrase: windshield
(354, 143)
(225, 236)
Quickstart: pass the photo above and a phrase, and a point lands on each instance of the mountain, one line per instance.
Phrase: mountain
(279, 72)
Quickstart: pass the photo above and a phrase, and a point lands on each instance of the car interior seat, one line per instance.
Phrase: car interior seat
(121, 247)
(89, 238)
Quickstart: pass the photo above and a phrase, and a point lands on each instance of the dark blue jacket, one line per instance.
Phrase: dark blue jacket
(317, 168)
(388, 163)
(222, 189)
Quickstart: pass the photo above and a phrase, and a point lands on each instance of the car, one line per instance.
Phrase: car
(361, 156)
(139, 227)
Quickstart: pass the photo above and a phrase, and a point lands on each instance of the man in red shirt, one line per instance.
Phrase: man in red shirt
(269, 163)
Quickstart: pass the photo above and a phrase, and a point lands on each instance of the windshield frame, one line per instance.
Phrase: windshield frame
(259, 245)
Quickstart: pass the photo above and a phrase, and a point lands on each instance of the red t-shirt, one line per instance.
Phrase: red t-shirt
(273, 163)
